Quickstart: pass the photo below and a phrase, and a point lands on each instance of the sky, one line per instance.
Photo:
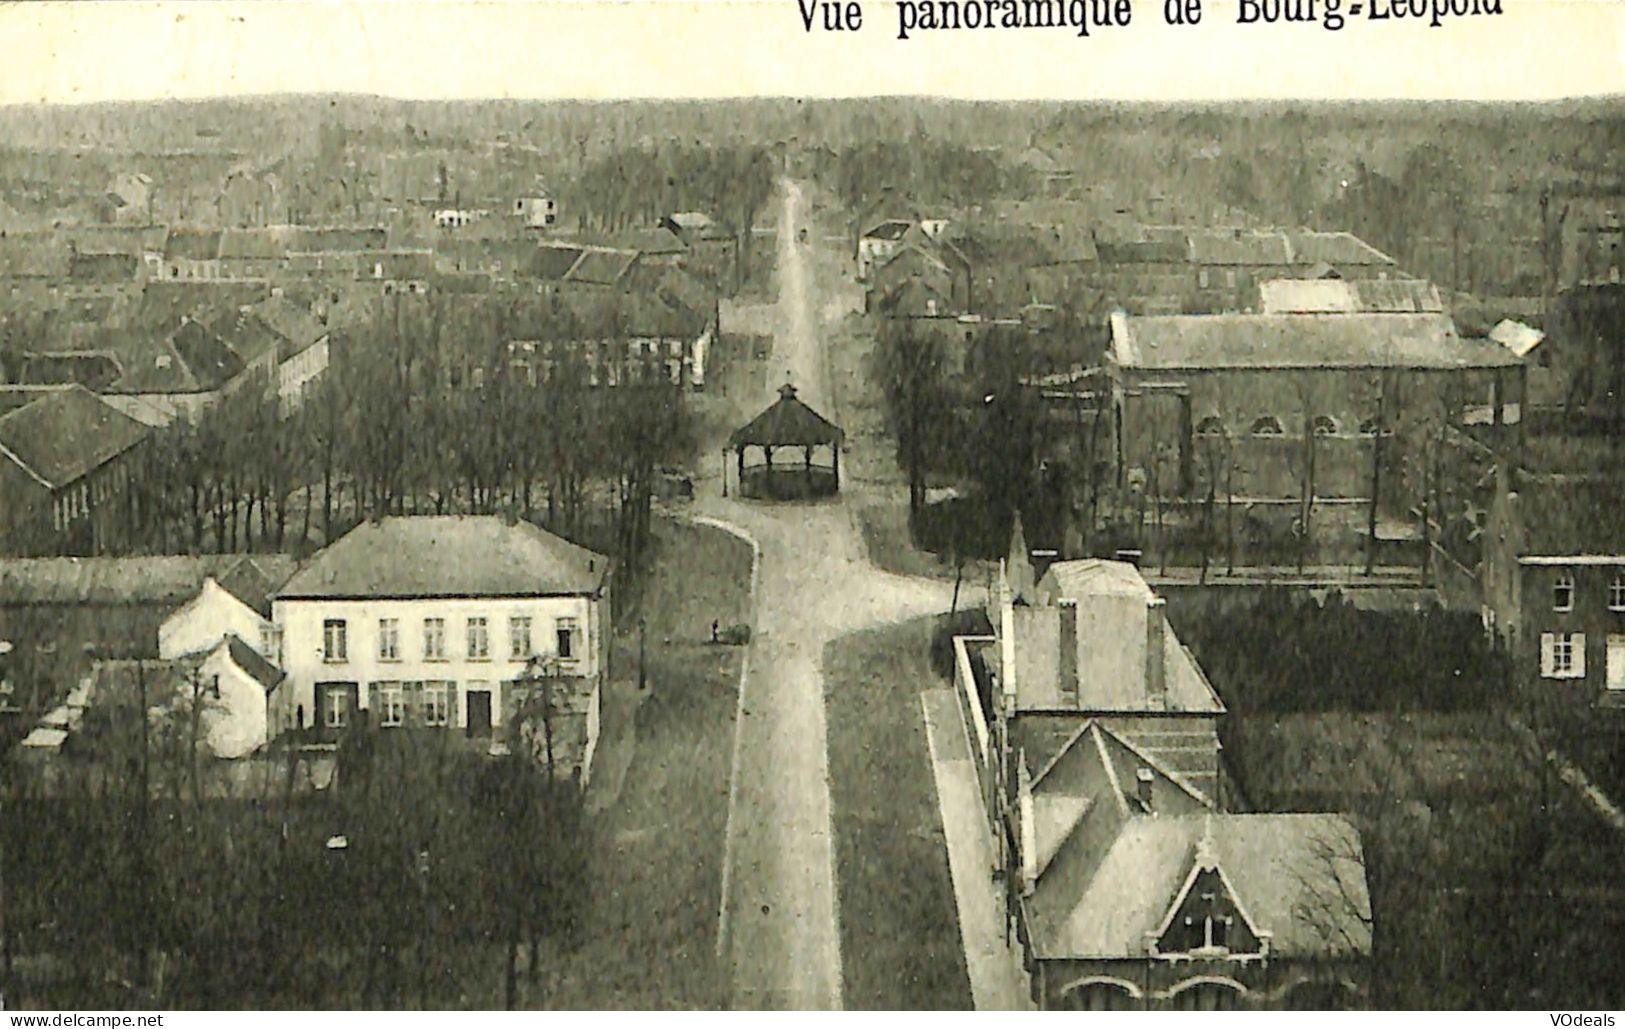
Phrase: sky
(600, 49)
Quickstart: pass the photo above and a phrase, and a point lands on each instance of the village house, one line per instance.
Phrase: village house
(597, 338)
(128, 199)
(234, 601)
(453, 624)
(66, 462)
(1128, 883)
(537, 212)
(1554, 582)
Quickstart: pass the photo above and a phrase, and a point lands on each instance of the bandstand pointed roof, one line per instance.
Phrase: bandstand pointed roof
(788, 423)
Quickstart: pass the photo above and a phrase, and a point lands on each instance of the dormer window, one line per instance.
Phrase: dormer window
(1563, 592)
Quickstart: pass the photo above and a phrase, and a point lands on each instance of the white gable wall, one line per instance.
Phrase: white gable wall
(206, 619)
(233, 725)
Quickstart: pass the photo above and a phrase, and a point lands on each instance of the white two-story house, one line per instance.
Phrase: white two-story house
(431, 623)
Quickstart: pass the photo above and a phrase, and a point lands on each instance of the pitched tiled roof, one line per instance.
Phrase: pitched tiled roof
(1110, 663)
(1565, 515)
(32, 256)
(1299, 341)
(253, 579)
(247, 334)
(250, 661)
(1339, 296)
(163, 581)
(1239, 247)
(192, 245)
(63, 436)
(1110, 871)
(601, 266)
(448, 556)
(1334, 248)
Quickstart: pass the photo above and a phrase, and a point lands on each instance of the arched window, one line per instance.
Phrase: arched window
(1325, 425)
(1563, 591)
(1269, 425)
(1210, 426)
(1101, 994)
(1207, 995)
(1368, 427)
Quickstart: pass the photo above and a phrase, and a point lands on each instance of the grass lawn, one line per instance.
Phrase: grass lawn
(900, 945)
(1487, 880)
(650, 937)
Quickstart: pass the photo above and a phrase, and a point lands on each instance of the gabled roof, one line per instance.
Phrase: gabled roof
(192, 245)
(601, 266)
(1110, 872)
(448, 556)
(34, 255)
(891, 230)
(1300, 878)
(1299, 341)
(551, 260)
(1112, 601)
(293, 323)
(789, 422)
(64, 435)
(1338, 249)
(1568, 515)
(1339, 296)
(1238, 247)
(160, 581)
(248, 335)
(253, 579)
(251, 662)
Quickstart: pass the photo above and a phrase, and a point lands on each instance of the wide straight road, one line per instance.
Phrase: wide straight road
(781, 934)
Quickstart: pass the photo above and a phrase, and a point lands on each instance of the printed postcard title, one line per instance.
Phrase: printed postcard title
(915, 17)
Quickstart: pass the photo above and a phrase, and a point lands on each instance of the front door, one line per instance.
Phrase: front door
(479, 712)
(1616, 661)
(336, 704)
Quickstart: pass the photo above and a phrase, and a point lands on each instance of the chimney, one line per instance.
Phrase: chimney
(1156, 627)
(1067, 640)
(1143, 779)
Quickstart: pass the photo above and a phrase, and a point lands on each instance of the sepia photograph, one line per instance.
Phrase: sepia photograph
(920, 506)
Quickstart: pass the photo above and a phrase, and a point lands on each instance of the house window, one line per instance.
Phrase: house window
(335, 641)
(389, 639)
(391, 704)
(519, 647)
(1616, 592)
(1563, 592)
(1268, 425)
(1616, 662)
(1325, 425)
(1201, 278)
(437, 704)
(479, 640)
(567, 638)
(1563, 655)
(1211, 426)
(434, 639)
(335, 709)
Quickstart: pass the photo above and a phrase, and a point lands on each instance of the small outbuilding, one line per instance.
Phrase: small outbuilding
(788, 425)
